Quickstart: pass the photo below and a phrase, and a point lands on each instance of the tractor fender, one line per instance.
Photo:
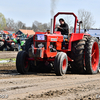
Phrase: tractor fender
(76, 37)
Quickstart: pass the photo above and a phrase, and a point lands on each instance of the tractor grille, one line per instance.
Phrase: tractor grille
(41, 43)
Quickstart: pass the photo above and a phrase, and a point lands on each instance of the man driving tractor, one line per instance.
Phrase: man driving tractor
(64, 29)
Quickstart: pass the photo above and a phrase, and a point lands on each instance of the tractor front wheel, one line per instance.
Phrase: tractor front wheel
(22, 63)
(61, 64)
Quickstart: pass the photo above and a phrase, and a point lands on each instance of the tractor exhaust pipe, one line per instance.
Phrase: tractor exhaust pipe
(51, 30)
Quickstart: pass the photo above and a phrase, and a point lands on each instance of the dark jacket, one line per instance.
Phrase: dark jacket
(7, 38)
(5, 43)
(64, 30)
(18, 41)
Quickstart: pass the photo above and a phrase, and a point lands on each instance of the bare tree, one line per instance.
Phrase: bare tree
(28, 28)
(86, 18)
(34, 27)
(19, 25)
(68, 20)
(38, 26)
(10, 25)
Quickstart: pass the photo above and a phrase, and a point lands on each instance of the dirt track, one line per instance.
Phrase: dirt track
(47, 86)
(7, 54)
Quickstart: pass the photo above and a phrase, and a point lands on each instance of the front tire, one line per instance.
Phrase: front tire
(61, 64)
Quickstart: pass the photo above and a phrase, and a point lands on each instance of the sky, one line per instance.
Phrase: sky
(29, 11)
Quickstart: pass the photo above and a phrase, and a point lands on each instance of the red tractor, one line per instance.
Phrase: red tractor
(81, 53)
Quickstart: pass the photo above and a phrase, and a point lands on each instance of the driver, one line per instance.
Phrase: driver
(64, 29)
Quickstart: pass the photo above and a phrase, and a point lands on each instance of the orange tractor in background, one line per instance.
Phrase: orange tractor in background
(81, 53)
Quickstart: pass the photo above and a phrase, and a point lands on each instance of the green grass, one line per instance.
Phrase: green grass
(8, 59)
(14, 59)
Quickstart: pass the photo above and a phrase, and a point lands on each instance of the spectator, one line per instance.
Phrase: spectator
(7, 38)
(48, 31)
(19, 43)
(5, 44)
(27, 35)
(85, 31)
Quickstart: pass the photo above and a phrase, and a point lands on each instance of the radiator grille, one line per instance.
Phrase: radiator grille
(43, 43)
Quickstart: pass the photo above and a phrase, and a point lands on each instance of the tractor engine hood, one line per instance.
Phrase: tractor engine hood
(43, 36)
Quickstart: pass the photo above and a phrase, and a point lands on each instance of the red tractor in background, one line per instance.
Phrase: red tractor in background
(81, 52)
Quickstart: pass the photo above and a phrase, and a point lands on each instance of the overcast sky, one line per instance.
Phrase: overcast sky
(28, 11)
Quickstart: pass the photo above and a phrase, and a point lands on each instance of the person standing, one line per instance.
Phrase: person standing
(85, 31)
(8, 38)
(19, 43)
(27, 35)
(5, 44)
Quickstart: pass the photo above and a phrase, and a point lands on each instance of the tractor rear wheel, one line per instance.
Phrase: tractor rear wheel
(92, 55)
(77, 54)
(22, 64)
(61, 64)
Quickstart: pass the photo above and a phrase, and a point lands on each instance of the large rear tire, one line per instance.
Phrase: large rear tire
(22, 63)
(92, 55)
(77, 54)
(61, 64)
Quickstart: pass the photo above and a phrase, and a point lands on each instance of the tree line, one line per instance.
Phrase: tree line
(9, 24)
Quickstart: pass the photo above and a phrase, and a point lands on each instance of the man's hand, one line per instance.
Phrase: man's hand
(59, 27)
